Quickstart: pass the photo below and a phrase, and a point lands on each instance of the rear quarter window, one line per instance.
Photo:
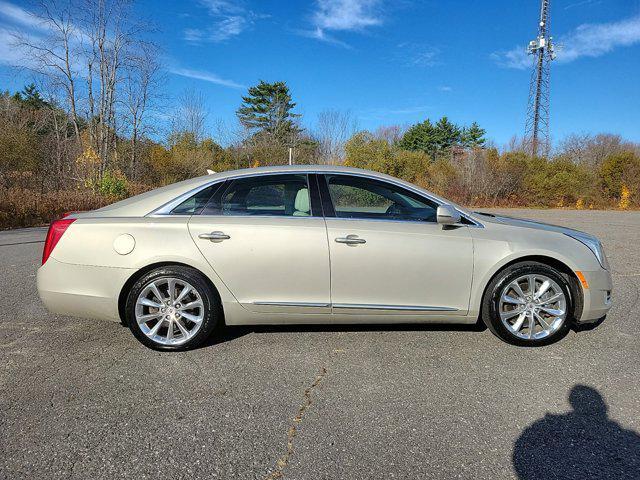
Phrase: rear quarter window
(194, 204)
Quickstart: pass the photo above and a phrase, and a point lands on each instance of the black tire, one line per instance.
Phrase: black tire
(490, 302)
(211, 306)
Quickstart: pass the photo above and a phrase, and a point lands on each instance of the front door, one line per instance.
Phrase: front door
(262, 237)
(388, 254)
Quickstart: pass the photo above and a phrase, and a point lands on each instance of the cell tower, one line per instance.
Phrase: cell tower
(543, 51)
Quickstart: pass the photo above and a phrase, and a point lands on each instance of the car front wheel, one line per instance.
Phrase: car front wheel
(171, 308)
(528, 304)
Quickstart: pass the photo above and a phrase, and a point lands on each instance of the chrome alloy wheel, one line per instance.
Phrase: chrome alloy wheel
(532, 307)
(169, 311)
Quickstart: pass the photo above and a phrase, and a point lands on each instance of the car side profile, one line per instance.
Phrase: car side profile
(312, 245)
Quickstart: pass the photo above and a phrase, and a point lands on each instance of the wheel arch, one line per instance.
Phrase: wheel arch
(577, 295)
(124, 291)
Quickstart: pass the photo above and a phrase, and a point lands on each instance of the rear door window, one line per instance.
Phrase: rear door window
(264, 195)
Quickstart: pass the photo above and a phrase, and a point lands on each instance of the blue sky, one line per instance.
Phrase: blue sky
(396, 62)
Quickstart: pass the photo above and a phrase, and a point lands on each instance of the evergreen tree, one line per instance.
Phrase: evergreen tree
(473, 136)
(441, 136)
(267, 110)
(447, 134)
(30, 97)
(420, 137)
(430, 138)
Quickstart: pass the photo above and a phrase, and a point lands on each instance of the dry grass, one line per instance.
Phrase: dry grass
(28, 207)
(21, 207)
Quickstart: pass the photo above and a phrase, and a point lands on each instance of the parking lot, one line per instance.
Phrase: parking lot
(83, 399)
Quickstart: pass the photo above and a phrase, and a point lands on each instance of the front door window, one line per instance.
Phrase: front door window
(364, 198)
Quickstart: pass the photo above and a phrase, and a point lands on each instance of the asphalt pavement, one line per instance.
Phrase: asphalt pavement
(82, 398)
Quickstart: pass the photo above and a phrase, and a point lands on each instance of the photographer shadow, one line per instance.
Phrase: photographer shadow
(582, 444)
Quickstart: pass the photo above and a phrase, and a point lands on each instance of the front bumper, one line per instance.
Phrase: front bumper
(597, 298)
(81, 290)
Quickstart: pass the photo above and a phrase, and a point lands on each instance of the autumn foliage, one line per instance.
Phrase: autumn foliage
(46, 169)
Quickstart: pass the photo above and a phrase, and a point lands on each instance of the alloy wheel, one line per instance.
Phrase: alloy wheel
(532, 306)
(169, 311)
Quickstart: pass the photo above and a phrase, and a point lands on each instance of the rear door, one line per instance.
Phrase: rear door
(266, 239)
(388, 254)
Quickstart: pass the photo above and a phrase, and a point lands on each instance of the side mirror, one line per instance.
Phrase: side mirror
(447, 215)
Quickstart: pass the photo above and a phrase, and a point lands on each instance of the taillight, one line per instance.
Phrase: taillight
(56, 230)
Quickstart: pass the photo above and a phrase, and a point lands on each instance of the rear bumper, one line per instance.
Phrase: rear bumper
(597, 298)
(81, 290)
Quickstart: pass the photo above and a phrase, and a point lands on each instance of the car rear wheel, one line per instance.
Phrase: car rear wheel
(172, 308)
(528, 304)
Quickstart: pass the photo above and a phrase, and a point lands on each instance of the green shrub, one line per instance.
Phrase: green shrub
(621, 172)
(112, 184)
(556, 183)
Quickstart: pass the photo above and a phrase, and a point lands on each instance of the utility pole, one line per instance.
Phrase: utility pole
(542, 49)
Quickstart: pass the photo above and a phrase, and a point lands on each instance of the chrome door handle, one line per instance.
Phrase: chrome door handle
(351, 240)
(214, 236)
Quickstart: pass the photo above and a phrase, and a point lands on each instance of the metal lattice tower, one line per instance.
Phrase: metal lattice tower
(542, 49)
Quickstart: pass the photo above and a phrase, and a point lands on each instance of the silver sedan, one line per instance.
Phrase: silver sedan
(317, 244)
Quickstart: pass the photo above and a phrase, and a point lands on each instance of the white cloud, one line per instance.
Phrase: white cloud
(588, 40)
(194, 35)
(19, 15)
(319, 34)
(346, 14)
(229, 27)
(342, 16)
(18, 25)
(222, 7)
(515, 58)
(228, 20)
(418, 54)
(445, 88)
(204, 76)
(594, 40)
(427, 57)
(583, 3)
(10, 54)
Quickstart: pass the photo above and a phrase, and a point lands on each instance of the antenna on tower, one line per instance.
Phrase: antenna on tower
(543, 51)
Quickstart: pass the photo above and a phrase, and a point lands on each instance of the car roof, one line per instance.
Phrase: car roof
(145, 203)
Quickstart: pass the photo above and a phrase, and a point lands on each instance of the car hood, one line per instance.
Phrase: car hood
(524, 223)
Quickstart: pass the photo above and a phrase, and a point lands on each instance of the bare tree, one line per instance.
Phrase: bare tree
(516, 144)
(142, 74)
(63, 144)
(56, 55)
(84, 50)
(592, 150)
(105, 38)
(391, 133)
(190, 115)
(333, 129)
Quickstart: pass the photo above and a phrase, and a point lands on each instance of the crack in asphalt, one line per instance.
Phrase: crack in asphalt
(283, 461)
(20, 243)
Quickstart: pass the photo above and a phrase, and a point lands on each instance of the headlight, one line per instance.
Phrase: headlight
(593, 244)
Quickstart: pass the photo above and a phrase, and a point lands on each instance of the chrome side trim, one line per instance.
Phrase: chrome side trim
(281, 217)
(294, 304)
(357, 306)
(411, 308)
